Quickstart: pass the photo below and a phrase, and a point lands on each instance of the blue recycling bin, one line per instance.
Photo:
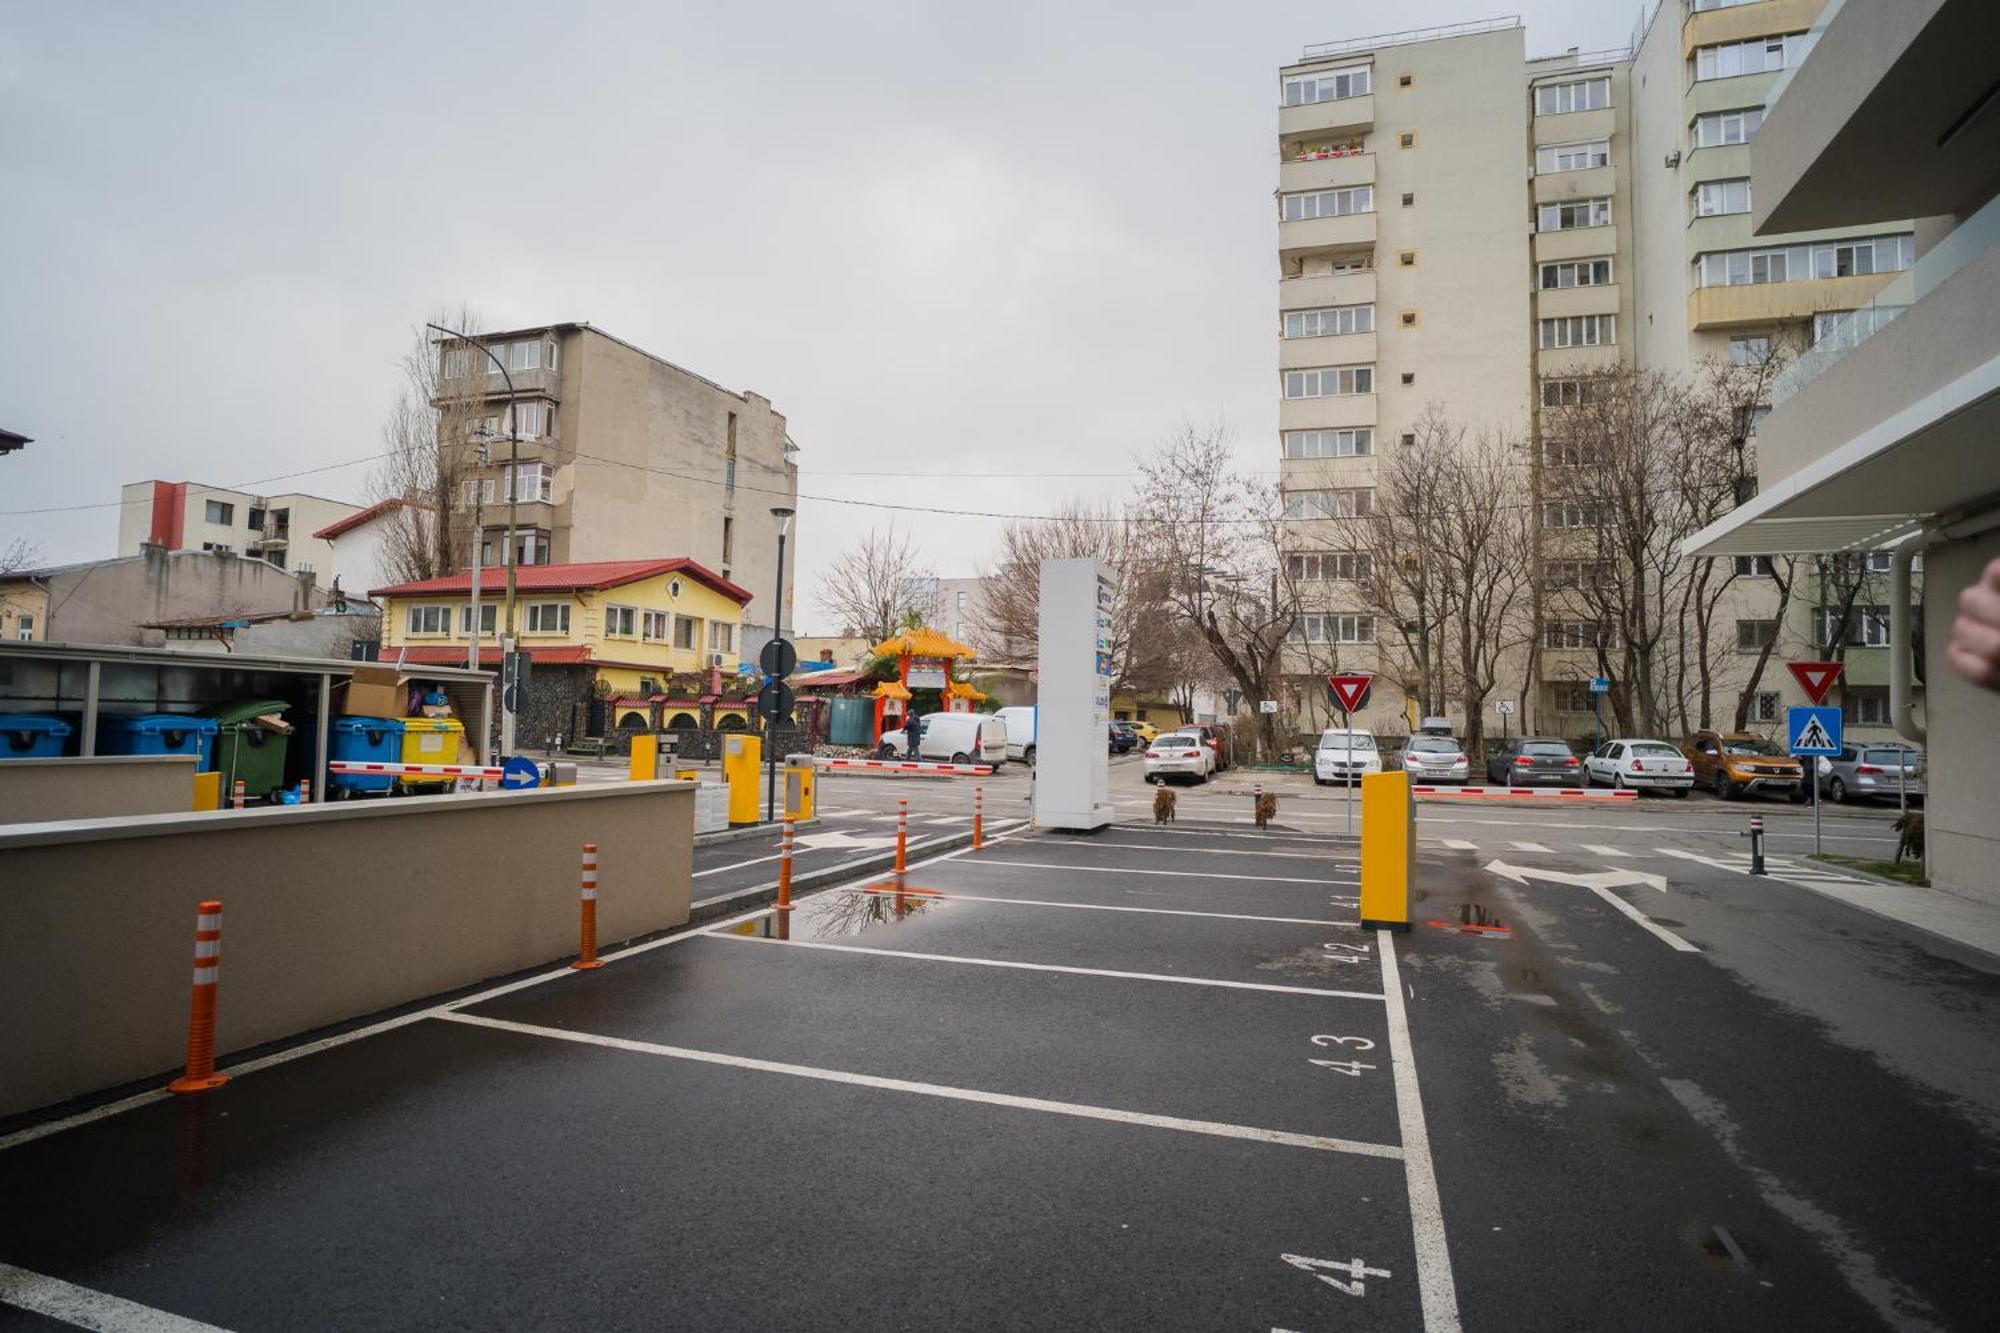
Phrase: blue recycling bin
(159, 733)
(34, 736)
(368, 740)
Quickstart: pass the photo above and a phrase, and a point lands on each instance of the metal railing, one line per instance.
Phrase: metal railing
(1610, 55)
(1850, 329)
(1316, 50)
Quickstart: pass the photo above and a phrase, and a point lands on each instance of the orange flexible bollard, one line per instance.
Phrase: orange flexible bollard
(586, 954)
(305, 791)
(200, 1075)
(902, 834)
(785, 868)
(236, 794)
(978, 818)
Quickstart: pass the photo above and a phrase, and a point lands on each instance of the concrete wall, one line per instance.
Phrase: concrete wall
(330, 912)
(108, 601)
(35, 790)
(1962, 843)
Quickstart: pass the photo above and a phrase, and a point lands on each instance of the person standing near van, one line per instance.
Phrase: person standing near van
(913, 734)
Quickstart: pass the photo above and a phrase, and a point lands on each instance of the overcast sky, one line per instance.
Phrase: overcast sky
(1021, 240)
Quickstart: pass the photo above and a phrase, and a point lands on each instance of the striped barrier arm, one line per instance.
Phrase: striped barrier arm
(908, 766)
(1540, 793)
(416, 770)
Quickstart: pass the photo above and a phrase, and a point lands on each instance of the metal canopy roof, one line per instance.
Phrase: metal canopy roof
(182, 657)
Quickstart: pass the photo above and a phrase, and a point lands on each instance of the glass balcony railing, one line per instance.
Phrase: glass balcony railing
(1843, 332)
(1813, 34)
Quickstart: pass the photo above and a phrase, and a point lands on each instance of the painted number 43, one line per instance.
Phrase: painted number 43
(1356, 1271)
(1352, 1068)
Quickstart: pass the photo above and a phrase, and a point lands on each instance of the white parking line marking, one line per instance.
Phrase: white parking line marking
(1436, 1291)
(1285, 839)
(1599, 849)
(1460, 845)
(1108, 907)
(1216, 1128)
(1178, 874)
(1208, 851)
(86, 1308)
(1531, 847)
(1643, 921)
(1059, 967)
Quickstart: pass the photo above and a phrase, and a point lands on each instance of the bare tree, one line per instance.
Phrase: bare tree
(431, 443)
(868, 587)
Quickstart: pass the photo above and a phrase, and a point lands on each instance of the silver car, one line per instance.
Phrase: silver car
(1864, 772)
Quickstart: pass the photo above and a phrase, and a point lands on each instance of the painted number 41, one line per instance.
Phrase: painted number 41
(1356, 1271)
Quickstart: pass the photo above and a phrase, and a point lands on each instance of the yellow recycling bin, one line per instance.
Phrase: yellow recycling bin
(742, 754)
(1388, 850)
(430, 740)
(799, 786)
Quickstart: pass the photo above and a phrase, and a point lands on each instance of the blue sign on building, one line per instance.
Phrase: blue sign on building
(1812, 731)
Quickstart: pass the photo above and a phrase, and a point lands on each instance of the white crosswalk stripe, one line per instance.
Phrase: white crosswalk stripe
(1599, 849)
(1460, 845)
(1531, 847)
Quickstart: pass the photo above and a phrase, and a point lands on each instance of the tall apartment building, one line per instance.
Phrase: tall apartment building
(1462, 225)
(188, 516)
(622, 456)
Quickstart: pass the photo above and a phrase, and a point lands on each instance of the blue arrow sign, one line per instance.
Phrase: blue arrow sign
(1812, 731)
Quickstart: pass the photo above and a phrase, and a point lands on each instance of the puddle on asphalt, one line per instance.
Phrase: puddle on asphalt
(1474, 919)
(846, 912)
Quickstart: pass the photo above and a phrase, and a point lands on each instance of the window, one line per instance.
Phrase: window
(24, 626)
(1576, 273)
(1867, 627)
(687, 633)
(1555, 99)
(1880, 562)
(1749, 351)
(530, 420)
(1701, 5)
(1868, 706)
(1329, 443)
(216, 511)
(1578, 634)
(1333, 629)
(1766, 707)
(525, 355)
(549, 353)
(1409, 321)
(1571, 453)
(1576, 213)
(1746, 419)
(1759, 55)
(1407, 139)
(1560, 574)
(1329, 203)
(531, 547)
(536, 481)
(621, 622)
(1754, 635)
(1719, 128)
(1333, 320)
(218, 547)
(721, 636)
(1753, 566)
(1716, 198)
(1573, 156)
(480, 490)
(1571, 696)
(429, 620)
(548, 618)
(1328, 87)
(1354, 502)
(1580, 331)
(728, 538)
(1405, 80)
(1322, 566)
(653, 626)
(1409, 377)
(457, 363)
(1572, 514)
(1409, 198)
(1564, 393)
(1329, 382)
(488, 618)
(257, 518)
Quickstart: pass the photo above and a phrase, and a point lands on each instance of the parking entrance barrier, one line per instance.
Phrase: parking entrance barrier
(200, 1075)
(236, 794)
(785, 867)
(978, 818)
(902, 834)
(586, 953)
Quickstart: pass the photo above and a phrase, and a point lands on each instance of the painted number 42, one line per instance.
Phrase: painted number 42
(1356, 1271)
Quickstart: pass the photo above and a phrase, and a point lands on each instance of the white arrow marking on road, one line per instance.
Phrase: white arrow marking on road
(845, 841)
(1600, 884)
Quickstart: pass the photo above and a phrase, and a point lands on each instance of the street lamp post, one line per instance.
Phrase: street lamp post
(783, 513)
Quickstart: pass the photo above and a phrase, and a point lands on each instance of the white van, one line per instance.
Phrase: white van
(956, 738)
(1020, 720)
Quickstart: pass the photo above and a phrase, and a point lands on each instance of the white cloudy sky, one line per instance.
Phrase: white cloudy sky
(978, 254)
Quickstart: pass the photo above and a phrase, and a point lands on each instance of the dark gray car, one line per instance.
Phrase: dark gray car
(1531, 761)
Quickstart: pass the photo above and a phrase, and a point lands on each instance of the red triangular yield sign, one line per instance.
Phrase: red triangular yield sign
(1350, 688)
(1815, 678)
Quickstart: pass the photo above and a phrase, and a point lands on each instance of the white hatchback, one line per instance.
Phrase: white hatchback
(1345, 756)
(1639, 763)
(1179, 754)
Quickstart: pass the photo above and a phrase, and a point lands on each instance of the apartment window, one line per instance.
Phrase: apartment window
(1580, 331)
(1560, 574)
(1573, 156)
(1570, 216)
(1409, 321)
(1572, 514)
(1753, 567)
(1747, 418)
(1572, 696)
(1718, 129)
(1576, 273)
(1329, 382)
(257, 518)
(480, 490)
(1866, 705)
(531, 547)
(525, 355)
(1571, 453)
(1324, 566)
(1333, 629)
(1867, 627)
(1409, 197)
(531, 420)
(1328, 87)
(1351, 502)
(218, 512)
(488, 618)
(535, 481)
(1409, 377)
(218, 548)
(621, 622)
(1330, 321)
(1765, 706)
(1561, 634)
(1759, 55)
(429, 620)
(653, 626)
(1407, 139)
(1406, 258)
(1564, 393)
(1756, 635)
(1555, 99)
(687, 633)
(24, 627)
(721, 636)
(456, 363)
(1717, 198)
(1701, 5)
(1329, 203)
(1329, 443)
(1405, 80)
(1880, 562)
(1749, 351)
(548, 618)
(549, 353)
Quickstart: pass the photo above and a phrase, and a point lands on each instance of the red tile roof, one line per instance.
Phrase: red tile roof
(356, 519)
(567, 578)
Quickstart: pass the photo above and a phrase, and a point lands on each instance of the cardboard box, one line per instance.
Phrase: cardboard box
(374, 691)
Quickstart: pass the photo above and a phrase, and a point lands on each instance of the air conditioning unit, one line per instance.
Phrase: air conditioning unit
(716, 660)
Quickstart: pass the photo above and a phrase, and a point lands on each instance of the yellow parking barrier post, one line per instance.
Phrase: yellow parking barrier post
(208, 791)
(645, 757)
(1388, 850)
(742, 757)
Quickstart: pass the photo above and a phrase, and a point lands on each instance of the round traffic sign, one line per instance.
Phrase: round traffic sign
(519, 772)
(775, 700)
(779, 658)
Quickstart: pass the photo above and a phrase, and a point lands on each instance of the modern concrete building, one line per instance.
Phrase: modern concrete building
(1883, 437)
(188, 516)
(620, 453)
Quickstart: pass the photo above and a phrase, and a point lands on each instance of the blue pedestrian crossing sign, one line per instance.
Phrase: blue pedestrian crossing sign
(1810, 731)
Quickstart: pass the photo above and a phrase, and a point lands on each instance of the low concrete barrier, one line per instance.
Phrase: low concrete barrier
(334, 911)
(33, 791)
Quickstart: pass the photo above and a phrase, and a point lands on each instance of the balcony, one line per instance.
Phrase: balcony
(1324, 289)
(1560, 302)
(1556, 187)
(1576, 243)
(1575, 360)
(1354, 409)
(541, 383)
(1326, 173)
(1343, 115)
(1759, 305)
(1315, 236)
(1338, 349)
(1740, 23)
(1575, 126)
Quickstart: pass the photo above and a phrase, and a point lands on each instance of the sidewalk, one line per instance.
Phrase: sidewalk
(1949, 916)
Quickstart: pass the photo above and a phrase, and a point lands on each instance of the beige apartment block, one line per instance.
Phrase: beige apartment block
(622, 455)
(189, 516)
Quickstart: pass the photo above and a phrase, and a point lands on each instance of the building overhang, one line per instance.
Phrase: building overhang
(1929, 462)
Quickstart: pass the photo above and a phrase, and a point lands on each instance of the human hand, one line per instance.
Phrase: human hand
(1974, 650)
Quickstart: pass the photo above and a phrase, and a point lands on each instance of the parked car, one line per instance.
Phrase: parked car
(1344, 755)
(1122, 737)
(1145, 731)
(1179, 754)
(1736, 763)
(1639, 764)
(1216, 735)
(1020, 723)
(1867, 772)
(1528, 761)
(958, 738)
(1431, 758)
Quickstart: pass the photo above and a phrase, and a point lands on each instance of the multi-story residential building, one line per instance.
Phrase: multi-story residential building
(1461, 225)
(188, 516)
(618, 450)
(1882, 437)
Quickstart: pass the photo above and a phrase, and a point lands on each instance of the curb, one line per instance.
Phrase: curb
(747, 831)
(729, 904)
(1836, 868)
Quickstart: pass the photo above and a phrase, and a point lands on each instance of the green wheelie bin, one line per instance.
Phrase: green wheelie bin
(249, 751)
